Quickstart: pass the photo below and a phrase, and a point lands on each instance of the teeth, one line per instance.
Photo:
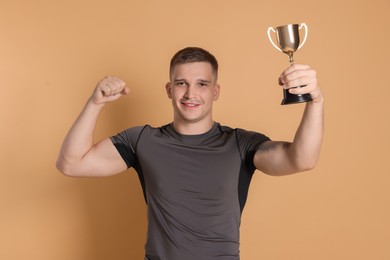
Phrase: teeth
(190, 105)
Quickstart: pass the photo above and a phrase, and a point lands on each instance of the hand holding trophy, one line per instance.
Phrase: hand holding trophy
(288, 42)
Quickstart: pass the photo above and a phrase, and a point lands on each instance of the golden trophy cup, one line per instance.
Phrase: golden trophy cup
(287, 38)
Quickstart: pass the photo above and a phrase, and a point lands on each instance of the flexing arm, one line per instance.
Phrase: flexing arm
(281, 158)
(79, 156)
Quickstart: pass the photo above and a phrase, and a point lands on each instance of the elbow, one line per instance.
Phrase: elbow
(306, 168)
(306, 165)
(61, 167)
(64, 168)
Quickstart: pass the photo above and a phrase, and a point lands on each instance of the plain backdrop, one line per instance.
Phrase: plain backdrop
(52, 53)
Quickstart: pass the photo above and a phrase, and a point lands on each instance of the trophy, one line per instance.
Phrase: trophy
(287, 37)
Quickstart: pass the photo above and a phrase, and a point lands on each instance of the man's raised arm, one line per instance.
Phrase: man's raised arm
(281, 158)
(79, 156)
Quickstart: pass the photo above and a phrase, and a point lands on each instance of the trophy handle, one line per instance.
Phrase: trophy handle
(304, 38)
(270, 38)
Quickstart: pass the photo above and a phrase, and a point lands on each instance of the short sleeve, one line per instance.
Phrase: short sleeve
(249, 142)
(126, 144)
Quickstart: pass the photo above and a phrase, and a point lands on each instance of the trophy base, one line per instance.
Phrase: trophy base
(294, 99)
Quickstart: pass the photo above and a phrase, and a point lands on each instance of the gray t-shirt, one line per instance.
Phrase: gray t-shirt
(195, 187)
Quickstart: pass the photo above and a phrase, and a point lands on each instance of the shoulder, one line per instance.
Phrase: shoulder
(131, 135)
(246, 139)
(143, 128)
(251, 139)
(243, 134)
(131, 131)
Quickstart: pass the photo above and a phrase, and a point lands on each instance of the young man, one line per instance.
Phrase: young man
(195, 173)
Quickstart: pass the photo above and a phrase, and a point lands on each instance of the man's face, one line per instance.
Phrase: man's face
(193, 89)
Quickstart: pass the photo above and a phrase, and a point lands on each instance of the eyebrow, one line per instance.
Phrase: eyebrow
(199, 80)
(204, 81)
(177, 80)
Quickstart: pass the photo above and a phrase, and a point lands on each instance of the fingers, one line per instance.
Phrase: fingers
(300, 79)
(297, 75)
(109, 89)
(112, 86)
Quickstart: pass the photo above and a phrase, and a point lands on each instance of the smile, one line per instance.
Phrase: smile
(190, 104)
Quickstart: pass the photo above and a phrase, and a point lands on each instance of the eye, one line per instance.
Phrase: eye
(180, 83)
(203, 84)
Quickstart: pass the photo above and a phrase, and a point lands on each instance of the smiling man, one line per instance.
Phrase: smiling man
(193, 89)
(195, 173)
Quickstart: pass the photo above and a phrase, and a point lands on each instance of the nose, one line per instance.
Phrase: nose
(190, 92)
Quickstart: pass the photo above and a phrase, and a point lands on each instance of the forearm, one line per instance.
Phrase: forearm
(305, 149)
(79, 139)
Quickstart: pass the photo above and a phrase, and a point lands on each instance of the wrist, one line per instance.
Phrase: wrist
(92, 103)
(317, 97)
(317, 101)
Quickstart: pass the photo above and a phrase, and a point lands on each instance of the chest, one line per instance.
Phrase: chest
(172, 168)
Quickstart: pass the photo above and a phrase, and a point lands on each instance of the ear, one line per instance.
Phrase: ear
(217, 89)
(168, 89)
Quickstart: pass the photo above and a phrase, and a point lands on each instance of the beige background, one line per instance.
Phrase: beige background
(53, 52)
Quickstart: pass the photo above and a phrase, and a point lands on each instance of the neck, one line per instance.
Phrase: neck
(195, 128)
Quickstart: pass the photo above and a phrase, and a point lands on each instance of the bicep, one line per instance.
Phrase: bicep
(102, 160)
(272, 158)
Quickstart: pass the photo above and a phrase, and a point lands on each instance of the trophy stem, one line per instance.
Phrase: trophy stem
(291, 57)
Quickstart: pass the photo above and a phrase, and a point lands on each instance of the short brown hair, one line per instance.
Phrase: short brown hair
(193, 54)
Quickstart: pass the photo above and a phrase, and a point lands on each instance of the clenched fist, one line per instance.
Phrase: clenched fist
(301, 75)
(109, 89)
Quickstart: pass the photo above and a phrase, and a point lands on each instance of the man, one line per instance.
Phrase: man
(195, 173)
